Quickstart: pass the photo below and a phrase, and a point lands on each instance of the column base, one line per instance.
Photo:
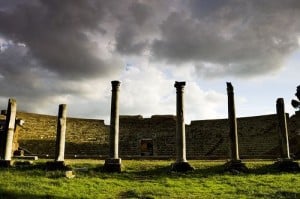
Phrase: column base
(235, 166)
(57, 165)
(6, 163)
(287, 165)
(181, 167)
(112, 165)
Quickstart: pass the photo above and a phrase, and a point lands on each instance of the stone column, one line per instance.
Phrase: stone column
(235, 164)
(113, 163)
(59, 157)
(6, 152)
(61, 133)
(284, 163)
(283, 132)
(181, 164)
(233, 136)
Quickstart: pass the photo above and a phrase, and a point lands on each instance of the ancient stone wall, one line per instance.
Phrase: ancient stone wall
(258, 137)
(160, 129)
(83, 136)
(155, 136)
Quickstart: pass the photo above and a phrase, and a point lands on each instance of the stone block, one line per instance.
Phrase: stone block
(112, 165)
(181, 167)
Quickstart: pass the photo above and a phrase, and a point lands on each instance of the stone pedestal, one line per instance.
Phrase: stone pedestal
(235, 164)
(181, 167)
(113, 163)
(181, 164)
(285, 162)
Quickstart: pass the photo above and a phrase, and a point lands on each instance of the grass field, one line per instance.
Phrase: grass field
(149, 179)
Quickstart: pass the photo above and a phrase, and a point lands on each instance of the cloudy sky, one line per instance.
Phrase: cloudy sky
(54, 52)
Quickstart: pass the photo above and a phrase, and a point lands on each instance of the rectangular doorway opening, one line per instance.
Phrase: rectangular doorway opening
(146, 147)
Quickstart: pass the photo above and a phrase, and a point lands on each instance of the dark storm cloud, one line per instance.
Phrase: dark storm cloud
(48, 48)
(57, 34)
(230, 37)
(22, 77)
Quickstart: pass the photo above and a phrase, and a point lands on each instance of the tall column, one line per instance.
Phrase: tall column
(8, 136)
(113, 163)
(181, 164)
(235, 164)
(234, 146)
(58, 163)
(61, 133)
(285, 163)
(283, 133)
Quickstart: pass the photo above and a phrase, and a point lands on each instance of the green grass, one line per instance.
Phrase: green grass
(149, 179)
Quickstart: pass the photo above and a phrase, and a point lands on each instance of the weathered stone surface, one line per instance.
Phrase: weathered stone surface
(181, 164)
(7, 135)
(283, 131)
(258, 136)
(61, 133)
(235, 167)
(84, 137)
(113, 163)
(233, 135)
(114, 121)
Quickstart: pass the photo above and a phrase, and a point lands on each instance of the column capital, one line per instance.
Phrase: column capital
(179, 85)
(115, 83)
(229, 87)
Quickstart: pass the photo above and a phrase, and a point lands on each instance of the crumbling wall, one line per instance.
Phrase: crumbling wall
(258, 136)
(161, 129)
(84, 137)
(294, 134)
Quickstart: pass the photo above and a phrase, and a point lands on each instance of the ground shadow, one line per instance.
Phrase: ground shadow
(279, 194)
(10, 194)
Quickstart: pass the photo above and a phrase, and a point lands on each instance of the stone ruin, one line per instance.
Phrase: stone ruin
(161, 136)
